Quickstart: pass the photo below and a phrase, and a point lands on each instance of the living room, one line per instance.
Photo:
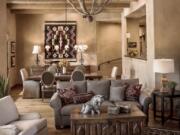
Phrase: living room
(127, 44)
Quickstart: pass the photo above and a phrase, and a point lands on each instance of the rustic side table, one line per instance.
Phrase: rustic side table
(162, 96)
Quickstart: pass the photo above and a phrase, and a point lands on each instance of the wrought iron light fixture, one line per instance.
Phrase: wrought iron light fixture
(89, 8)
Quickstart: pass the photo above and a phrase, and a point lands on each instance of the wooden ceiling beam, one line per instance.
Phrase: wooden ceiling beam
(54, 4)
(46, 11)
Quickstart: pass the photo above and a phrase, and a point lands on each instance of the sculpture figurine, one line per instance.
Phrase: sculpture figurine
(93, 106)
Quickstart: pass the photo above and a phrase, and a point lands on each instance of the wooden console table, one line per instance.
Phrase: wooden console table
(105, 124)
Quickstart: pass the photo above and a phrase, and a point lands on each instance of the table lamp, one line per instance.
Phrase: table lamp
(36, 51)
(81, 48)
(163, 66)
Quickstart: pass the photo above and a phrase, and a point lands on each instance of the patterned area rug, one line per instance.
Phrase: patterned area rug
(157, 131)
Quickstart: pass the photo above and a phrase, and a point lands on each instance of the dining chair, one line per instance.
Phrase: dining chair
(80, 67)
(47, 81)
(36, 70)
(31, 89)
(77, 75)
(52, 68)
(114, 72)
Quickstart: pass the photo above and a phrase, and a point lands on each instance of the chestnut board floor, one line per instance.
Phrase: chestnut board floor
(36, 105)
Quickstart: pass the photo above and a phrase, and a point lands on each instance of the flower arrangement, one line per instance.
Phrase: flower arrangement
(172, 86)
(64, 63)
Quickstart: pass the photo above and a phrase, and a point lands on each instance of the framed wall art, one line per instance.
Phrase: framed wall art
(13, 47)
(13, 61)
(60, 39)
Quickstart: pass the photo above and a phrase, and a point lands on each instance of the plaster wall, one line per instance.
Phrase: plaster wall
(11, 31)
(167, 20)
(3, 38)
(109, 46)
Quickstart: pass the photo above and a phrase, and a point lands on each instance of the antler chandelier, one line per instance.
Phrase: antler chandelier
(89, 8)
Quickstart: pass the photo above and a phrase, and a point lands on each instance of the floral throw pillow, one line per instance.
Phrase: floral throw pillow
(133, 92)
(67, 95)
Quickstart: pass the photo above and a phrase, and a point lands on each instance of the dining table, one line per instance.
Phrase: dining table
(63, 77)
(66, 77)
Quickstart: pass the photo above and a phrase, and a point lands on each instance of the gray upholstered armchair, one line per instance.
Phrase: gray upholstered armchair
(13, 123)
(31, 88)
(145, 100)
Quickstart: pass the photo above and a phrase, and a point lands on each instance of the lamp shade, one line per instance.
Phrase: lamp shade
(164, 66)
(36, 49)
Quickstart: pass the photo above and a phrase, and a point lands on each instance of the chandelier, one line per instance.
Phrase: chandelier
(89, 8)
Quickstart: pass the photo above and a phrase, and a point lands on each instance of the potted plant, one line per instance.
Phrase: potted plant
(3, 86)
(172, 86)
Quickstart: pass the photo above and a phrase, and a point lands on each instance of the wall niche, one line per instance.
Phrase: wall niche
(136, 34)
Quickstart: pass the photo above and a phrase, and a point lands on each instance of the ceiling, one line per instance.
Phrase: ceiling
(141, 12)
(46, 6)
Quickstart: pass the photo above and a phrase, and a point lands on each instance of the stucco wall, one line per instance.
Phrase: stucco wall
(11, 31)
(167, 34)
(109, 46)
(3, 38)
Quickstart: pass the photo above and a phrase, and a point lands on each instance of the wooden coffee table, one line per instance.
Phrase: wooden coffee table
(105, 124)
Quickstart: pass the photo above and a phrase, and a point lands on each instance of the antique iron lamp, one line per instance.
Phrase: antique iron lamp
(36, 51)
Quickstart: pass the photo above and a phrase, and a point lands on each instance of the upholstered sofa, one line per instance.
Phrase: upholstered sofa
(13, 123)
(62, 112)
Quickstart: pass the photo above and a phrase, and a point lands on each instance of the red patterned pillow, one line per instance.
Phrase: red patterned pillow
(133, 92)
(82, 97)
(67, 95)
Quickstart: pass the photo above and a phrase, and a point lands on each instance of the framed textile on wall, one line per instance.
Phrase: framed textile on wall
(11, 54)
(13, 47)
(13, 61)
(60, 39)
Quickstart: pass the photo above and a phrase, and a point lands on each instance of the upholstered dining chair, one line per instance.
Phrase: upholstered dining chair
(31, 88)
(77, 75)
(80, 67)
(114, 72)
(47, 81)
(52, 68)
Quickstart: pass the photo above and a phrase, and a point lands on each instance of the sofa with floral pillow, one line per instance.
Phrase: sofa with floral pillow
(71, 95)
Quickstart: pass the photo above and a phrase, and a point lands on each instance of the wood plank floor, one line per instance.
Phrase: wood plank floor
(36, 105)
